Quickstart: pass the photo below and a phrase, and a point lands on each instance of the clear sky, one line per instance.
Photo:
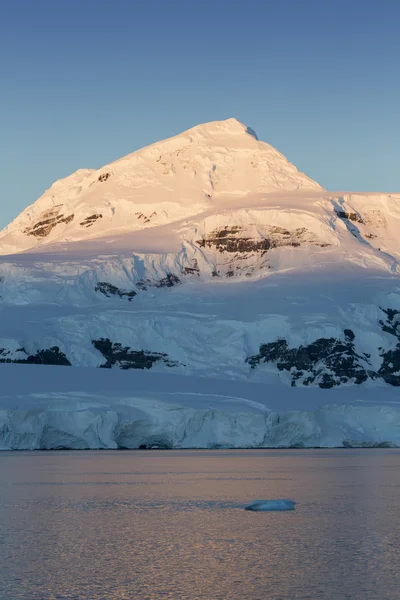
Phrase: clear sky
(85, 82)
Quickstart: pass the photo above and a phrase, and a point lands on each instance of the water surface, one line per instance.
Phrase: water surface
(150, 525)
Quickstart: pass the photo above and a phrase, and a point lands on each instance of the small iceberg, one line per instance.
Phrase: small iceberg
(270, 505)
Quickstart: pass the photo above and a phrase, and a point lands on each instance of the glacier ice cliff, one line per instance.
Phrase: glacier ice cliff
(181, 412)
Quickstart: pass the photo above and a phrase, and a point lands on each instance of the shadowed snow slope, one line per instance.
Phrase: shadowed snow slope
(206, 255)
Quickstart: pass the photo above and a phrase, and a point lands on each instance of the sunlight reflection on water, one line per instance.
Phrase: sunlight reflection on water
(171, 524)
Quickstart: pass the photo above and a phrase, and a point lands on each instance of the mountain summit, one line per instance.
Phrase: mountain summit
(205, 167)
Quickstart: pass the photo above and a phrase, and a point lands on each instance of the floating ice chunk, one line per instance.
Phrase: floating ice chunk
(269, 505)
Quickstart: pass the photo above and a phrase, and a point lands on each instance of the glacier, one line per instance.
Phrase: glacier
(84, 408)
(200, 293)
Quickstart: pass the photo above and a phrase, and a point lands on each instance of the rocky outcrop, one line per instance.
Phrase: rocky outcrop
(326, 362)
(232, 239)
(48, 220)
(244, 250)
(390, 368)
(166, 282)
(124, 357)
(371, 218)
(392, 323)
(49, 356)
(146, 218)
(103, 177)
(109, 290)
(329, 362)
(193, 269)
(89, 221)
(350, 216)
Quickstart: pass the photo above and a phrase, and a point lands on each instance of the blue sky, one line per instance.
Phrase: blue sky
(85, 82)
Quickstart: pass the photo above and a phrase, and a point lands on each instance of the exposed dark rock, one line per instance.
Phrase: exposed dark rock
(327, 361)
(236, 244)
(108, 290)
(49, 220)
(49, 356)
(126, 358)
(169, 281)
(194, 270)
(390, 367)
(227, 231)
(104, 177)
(190, 271)
(392, 324)
(89, 221)
(349, 335)
(227, 239)
(350, 216)
(242, 254)
(146, 218)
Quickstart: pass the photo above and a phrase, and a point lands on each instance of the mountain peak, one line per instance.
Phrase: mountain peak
(230, 125)
(227, 126)
(209, 166)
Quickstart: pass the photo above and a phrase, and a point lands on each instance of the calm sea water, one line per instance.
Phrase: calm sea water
(171, 525)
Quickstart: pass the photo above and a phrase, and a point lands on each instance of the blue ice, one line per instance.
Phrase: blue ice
(269, 505)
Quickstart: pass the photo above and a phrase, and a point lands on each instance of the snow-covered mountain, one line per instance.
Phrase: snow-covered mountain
(198, 172)
(207, 255)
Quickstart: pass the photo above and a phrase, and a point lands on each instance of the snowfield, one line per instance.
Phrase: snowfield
(200, 292)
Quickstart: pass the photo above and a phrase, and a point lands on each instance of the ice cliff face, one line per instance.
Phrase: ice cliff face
(82, 408)
(207, 255)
